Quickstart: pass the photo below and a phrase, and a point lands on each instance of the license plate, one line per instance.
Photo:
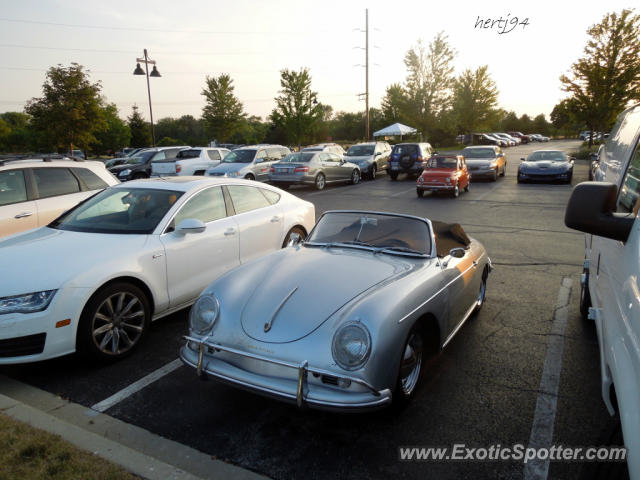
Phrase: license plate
(164, 168)
(394, 167)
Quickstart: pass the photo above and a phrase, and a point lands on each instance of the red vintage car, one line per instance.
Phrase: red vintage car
(444, 173)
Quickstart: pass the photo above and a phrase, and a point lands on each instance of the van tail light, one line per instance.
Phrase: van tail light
(178, 168)
(272, 170)
(301, 169)
(420, 159)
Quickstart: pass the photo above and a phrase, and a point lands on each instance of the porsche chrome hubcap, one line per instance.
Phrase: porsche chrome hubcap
(118, 323)
(411, 364)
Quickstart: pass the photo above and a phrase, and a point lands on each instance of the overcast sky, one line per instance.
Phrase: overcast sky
(254, 40)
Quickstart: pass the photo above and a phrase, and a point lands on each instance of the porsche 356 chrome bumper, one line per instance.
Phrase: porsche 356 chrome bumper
(290, 384)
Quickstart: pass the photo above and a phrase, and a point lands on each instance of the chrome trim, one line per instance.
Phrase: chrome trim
(302, 383)
(587, 263)
(434, 295)
(282, 363)
(459, 326)
(269, 324)
(385, 395)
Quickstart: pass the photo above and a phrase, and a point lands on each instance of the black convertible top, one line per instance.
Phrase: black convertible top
(448, 236)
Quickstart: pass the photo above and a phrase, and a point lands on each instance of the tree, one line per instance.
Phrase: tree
(140, 130)
(187, 130)
(297, 108)
(428, 84)
(70, 111)
(223, 112)
(607, 78)
(115, 134)
(475, 100)
(252, 130)
(564, 118)
(394, 104)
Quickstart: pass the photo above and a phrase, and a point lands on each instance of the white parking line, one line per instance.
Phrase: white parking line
(107, 403)
(545, 414)
(403, 192)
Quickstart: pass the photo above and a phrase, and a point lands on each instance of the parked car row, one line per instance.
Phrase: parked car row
(500, 139)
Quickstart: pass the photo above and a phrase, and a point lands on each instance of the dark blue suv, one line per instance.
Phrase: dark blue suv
(408, 158)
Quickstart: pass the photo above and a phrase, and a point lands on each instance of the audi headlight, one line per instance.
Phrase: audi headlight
(351, 345)
(204, 314)
(124, 173)
(27, 303)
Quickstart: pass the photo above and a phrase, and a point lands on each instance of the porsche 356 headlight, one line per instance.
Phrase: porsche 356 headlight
(204, 314)
(27, 303)
(351, 345)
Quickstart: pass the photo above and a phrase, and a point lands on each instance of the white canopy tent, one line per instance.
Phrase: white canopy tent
(395, 130)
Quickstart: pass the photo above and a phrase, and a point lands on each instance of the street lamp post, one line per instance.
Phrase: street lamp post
(154, 73)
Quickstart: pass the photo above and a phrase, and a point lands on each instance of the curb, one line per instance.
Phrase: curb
(139, 451)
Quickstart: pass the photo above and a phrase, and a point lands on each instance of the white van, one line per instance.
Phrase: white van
(607, 211)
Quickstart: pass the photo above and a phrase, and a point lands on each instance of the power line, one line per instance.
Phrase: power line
(182, 72)
(161, 30)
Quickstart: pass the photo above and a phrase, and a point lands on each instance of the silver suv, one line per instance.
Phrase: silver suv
(33, 191)
(251, 162)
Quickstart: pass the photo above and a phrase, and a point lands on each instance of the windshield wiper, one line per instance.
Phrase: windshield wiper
(400, 249)
(350, 243)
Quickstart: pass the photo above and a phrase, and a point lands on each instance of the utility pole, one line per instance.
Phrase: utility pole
(366, 16)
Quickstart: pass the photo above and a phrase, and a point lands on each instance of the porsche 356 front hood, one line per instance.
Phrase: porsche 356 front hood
(307, 287)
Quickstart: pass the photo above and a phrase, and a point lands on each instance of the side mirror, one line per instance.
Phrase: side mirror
(522, 159)
(294, 239)
(592, 156)
(377, 154)
(190, 225)
(591, 209)
(457, 252)
(572, 159)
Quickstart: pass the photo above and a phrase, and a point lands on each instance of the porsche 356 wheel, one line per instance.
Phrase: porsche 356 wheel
(411, 363)
(113, 322)
(294, 230)
(419, 192)
(482, 292)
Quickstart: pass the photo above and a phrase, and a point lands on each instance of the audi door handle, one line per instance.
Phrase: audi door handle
(230, 231)
(275, 219)
(23, 214)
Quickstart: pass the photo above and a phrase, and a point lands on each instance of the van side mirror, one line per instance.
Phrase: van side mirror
(591, 209)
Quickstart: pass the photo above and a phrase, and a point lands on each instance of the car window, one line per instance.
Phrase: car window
(159, 156)
(620, 144)
(260, 156)
(172, 153)
(191, 153)
(90, 179)
(12, 187)
(630, 191)
(214, 155)
(272, 197)
(246, 199)
(55, 181)
(405, 149)
(206, 206)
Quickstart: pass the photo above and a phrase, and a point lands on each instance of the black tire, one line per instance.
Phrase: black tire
(456, 192)
(139, 176)
(482, 292)
(495, 175)
(101, 318)
(374, 172)
(320, 181)
(249, 176)
(585, 296)
(199, 173)
(466, 188)
(504, 170)
(355, 177)
(419, 192)
(297, 230)
(393, 176)
(413, 351)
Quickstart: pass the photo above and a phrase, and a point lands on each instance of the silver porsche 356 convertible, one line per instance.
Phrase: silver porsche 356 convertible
(345, 319)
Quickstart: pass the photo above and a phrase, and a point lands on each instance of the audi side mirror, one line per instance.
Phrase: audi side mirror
(190, 225)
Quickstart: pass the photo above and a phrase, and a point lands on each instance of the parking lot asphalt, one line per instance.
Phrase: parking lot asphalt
(483, 389)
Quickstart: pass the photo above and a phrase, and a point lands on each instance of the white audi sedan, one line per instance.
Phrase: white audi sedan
(93, 279)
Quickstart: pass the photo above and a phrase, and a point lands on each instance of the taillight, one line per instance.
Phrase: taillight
(419, 159)
(301, 169)
(178, 168)
(272, 170)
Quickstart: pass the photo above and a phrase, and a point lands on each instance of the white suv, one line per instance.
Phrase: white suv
(193, 161)
(33, 191)
(608, 212)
